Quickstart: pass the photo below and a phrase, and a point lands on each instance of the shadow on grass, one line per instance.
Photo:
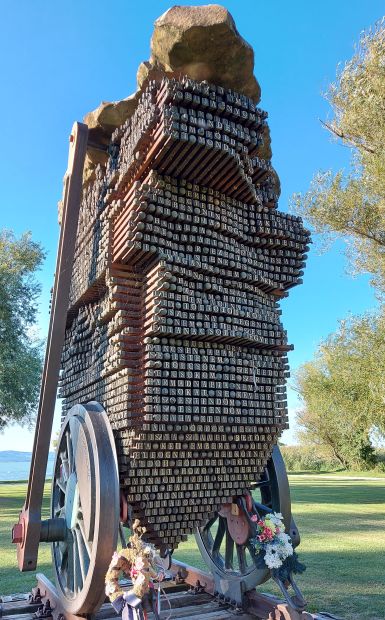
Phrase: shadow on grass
(352, 582)
(310, 472)
(356, 525)
(349, 584)
(332, 493)
(12, 504)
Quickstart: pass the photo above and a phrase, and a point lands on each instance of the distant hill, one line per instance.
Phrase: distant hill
(13, 456)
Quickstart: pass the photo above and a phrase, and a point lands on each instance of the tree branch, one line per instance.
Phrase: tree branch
(334, 450)
(340, 134)
(362, 233)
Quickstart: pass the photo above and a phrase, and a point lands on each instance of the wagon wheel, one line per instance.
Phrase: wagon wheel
(234, 563)
(85, 492)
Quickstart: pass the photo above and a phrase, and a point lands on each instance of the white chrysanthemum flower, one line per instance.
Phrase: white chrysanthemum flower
(273, 560)
(276, 518)
(284, 552)
(285, 538)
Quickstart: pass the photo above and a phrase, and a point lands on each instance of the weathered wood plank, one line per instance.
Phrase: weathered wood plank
(14, 605)
(190, 611)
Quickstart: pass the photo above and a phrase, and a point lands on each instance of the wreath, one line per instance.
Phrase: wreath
(139, 562)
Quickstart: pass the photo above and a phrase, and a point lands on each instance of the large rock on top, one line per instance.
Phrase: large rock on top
(203, 43)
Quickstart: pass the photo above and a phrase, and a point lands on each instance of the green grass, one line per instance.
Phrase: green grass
(337, 473)
(342, 525)
(12, 496)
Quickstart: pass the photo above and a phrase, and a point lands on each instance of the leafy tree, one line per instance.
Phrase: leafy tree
(20, 354)
(351, 204)
(343, 391)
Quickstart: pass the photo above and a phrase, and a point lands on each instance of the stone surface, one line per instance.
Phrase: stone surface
(264, 150)
(108, 116)
(203, 43)
(199, 41)
(276, 182)
(102, 122)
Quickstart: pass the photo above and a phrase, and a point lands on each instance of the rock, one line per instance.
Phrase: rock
(264, 151)
(109, 115)
(143, 73)
(199, 41)
(203, 43)
(276, 182)
(90, 164)
(149, 71)
(102, 122)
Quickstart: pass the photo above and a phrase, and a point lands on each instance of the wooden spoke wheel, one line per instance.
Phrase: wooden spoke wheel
(85, 492)
(231, 562)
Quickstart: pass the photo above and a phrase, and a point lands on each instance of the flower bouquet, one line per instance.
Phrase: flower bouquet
(273, 547)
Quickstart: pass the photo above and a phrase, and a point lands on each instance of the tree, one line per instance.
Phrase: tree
(352, 204)
(343, 391)
(20, 354)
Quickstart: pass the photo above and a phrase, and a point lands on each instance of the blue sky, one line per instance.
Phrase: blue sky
(58, 60)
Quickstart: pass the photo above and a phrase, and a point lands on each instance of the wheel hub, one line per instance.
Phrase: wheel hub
(237, 523)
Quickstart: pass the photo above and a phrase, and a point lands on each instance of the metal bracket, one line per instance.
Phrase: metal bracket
(35, 596)
(296, 602)
(197, 589)
(45, 611)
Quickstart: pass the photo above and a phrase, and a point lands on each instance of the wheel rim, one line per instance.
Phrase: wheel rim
(231, 561)
(85, 492)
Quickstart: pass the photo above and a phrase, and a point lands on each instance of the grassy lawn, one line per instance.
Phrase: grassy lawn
(344, 473)
(342, 524)
(12, 497)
